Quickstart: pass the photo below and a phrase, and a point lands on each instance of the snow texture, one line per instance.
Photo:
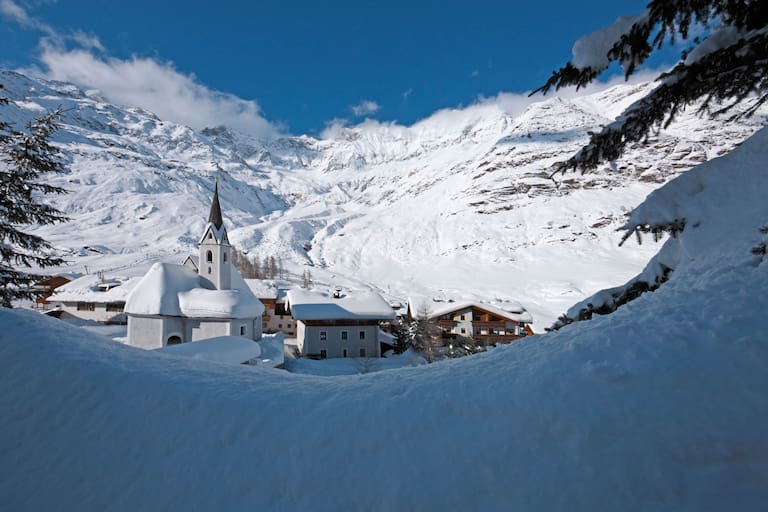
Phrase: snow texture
(659, 406)
(223, 349)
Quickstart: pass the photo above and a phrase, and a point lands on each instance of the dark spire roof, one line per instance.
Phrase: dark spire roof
(215, 216)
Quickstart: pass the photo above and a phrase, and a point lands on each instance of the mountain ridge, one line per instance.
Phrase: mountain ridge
(459, 204)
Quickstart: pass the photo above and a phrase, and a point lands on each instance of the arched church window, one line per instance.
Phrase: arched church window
(209, 257)
(173, 340)
(209, 270)
(210, 235)
(225, 257)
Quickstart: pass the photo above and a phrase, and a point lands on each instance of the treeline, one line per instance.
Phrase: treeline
(253, 267)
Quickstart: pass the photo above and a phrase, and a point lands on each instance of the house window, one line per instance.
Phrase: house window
(484, 331)
(463, 317)
(323, 354)
(323, 335)
(345, 353)
(242, 330)
(463, 330)
(209, 257)
(344, 335)
(362, 335)
(280, 326)
(86, 306)
(362, 352)
(115, 307)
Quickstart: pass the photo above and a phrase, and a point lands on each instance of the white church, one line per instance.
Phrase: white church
(203, 298)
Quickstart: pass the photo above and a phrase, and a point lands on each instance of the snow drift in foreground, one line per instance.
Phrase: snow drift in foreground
(659, 406)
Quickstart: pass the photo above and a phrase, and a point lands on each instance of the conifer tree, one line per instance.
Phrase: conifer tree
(725, 66)
(26, 156)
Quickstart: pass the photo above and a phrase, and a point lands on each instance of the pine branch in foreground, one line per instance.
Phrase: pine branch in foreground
(26, 157)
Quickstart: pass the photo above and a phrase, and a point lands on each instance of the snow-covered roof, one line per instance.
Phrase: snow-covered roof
(224, 349)
(91, 288)
(311, 305)
(262, 289)
(515, 313)
(174, 290)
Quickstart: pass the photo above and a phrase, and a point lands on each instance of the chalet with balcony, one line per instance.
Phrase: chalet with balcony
(483, 323)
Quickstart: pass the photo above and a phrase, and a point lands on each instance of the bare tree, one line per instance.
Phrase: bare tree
(425, 333)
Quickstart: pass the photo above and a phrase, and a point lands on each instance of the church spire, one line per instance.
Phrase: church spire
(215, 216)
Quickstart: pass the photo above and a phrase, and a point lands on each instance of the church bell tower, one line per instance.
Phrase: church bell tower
(215, 251)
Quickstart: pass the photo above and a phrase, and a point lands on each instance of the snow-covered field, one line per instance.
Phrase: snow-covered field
(659, 406)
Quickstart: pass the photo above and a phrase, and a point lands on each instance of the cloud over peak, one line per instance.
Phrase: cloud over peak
(364, 108)
(155, 86)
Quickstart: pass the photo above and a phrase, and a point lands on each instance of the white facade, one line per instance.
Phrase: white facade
(328, 341)
(175, 304)
(338, 324)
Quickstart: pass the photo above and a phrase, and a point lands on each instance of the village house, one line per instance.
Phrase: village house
(338, 324)
(202, 298)
(276, 317)
(485, 324)
(93, 297)
(45, 288)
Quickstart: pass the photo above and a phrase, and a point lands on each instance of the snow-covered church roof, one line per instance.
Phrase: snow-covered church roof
(306, 305)
(174, 290)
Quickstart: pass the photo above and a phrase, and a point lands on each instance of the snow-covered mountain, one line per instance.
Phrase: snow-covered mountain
(459, 204)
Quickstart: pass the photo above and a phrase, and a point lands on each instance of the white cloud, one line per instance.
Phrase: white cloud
(16, 13)
(153, 85)
(364, 108)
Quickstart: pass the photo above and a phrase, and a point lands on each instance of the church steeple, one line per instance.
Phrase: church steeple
(215, 216)
(214, 263)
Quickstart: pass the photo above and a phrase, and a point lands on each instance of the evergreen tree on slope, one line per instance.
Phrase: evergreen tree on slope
(25, 157)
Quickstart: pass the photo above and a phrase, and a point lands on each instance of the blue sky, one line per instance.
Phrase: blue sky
(296, 66)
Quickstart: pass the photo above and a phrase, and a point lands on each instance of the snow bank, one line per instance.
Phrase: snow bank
(722, 205)
(223, 349)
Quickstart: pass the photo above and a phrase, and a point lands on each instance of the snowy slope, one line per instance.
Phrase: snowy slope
(659, 406)
(458, 204)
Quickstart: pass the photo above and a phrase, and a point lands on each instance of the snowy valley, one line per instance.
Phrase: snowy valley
(459, 205)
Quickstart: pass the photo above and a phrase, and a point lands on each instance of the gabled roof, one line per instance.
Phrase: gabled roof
(519, 314)
(306, 305)
(174, 290)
